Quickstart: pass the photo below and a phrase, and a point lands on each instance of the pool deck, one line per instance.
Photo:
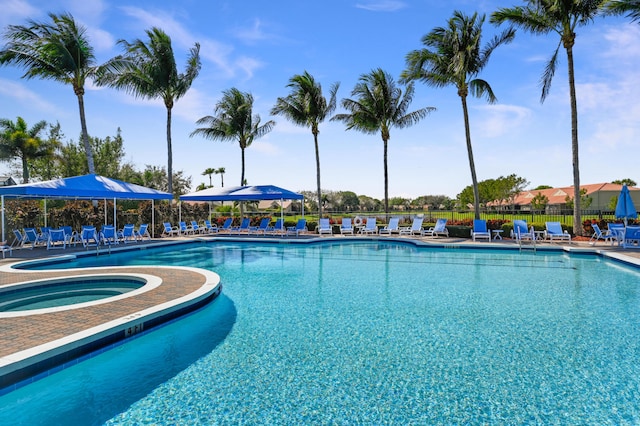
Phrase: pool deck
(26, 339)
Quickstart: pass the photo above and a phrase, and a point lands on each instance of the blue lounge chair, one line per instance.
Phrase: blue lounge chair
(439, 229)
(370, 227)
(211, 229)
(261, 228)
(276, 229)
(346, 227)
(324, 227)
(142, 232)
(4, 248)
(70, 235)
(415, 229)
(227, 226)
(108, 235)
(554, 232)
(170, 230)
(19, 240)
(32, 237)
(244, 226)
(127, 235)
(617, 232)
(392, 227)
(197, 228)
(89, 236)
(631, 236)
(56, 239)
(521, 232)
(300, 228)
(480, 230)
(186, 229)
(599, 235)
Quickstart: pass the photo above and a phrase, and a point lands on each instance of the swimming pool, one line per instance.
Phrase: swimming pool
(368, 333)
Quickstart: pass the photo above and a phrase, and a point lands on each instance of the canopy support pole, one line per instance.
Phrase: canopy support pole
(153, 219)
(114, 214)
(45, 213)
(2, 217)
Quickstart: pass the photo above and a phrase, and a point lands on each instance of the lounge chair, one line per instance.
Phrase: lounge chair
(415, 228)
(617, 232)
(261, 228)
(440, 228)
(370, 227)
(300, 228)
(324, 227)
(32, 237)
(19, 240)
(276, 229)
(554, 232)
(521, 232)
(393, 226)
(346, 227)
(128, 235)
(89, 236)
(56, 239)
(599, 235)
(197, 228)
(142, 232)
(227, 225)
(244, 226)
(108, 235)
(4, 248)
(186, 229)
(211, 229)
(170, 230)
(70, 235)
(631, 236)
(480, 230)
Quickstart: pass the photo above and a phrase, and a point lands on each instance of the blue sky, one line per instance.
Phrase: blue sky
(256, 46)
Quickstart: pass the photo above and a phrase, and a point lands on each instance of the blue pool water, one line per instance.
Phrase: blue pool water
(368, 333)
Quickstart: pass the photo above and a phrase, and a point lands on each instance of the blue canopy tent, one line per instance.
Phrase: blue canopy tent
(245, 193)
(89, 187)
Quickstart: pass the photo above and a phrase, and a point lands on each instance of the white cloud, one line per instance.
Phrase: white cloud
(499, 120)
(24, 96)
(16, 11)
(381, 5)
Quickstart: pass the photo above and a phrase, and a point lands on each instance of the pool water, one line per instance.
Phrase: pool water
(368, 333)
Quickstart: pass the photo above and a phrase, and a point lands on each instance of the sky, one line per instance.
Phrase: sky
(256, 46)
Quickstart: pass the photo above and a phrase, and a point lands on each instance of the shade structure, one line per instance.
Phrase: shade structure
(625, 209)
(89, 186)
(243, 193)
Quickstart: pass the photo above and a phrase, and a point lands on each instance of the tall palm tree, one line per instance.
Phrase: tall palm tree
(379, 105)
(17, 140)
(148, 70)
(221, 171)
(306, 106)
(453, 55)
(209, 171)
(620, 7)
(234, 121)
(58, 51)
(562, 17)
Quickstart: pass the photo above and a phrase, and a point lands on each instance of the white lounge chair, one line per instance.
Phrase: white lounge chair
(324, 227)
(370, 227)
(440, 228)
(554, 232)
(480, 230)
(346, 227)
(415, 228)
(392, 227)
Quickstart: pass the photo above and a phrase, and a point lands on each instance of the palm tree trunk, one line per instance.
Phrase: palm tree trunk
(315, 140)
(169, 154)
(386, 180)
(85, 135)
(577, 220)
(25, 170)
(472, 165)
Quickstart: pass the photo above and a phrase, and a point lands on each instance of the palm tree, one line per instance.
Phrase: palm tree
(620, 7)
(149, 70)
(234, 121)
(306, 106)
(379, 105)
(542, 17)
(453, 55)
(17, 140)
(221, 171)
(209, 171)
(57, 51)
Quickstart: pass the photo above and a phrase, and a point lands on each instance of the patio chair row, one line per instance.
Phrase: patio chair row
(369, 226)
(264, 228)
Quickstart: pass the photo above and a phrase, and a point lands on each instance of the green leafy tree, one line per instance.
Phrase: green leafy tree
(453, 55)
(18, 140)
(539, 201)
(350, 201)
(234, 121)
(626, 181)
(378, 105)
(585, 200)
(156, 177)
(48, 167)
(109, 153)
(629, 7)
(500, 189)
(613, 202)
(58, 51)
(209, 171)
(540, 187)
(148, 70)
(563, 17)
(306, 106)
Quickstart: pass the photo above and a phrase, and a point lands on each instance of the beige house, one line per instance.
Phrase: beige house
(275, 204)
(600, 194)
